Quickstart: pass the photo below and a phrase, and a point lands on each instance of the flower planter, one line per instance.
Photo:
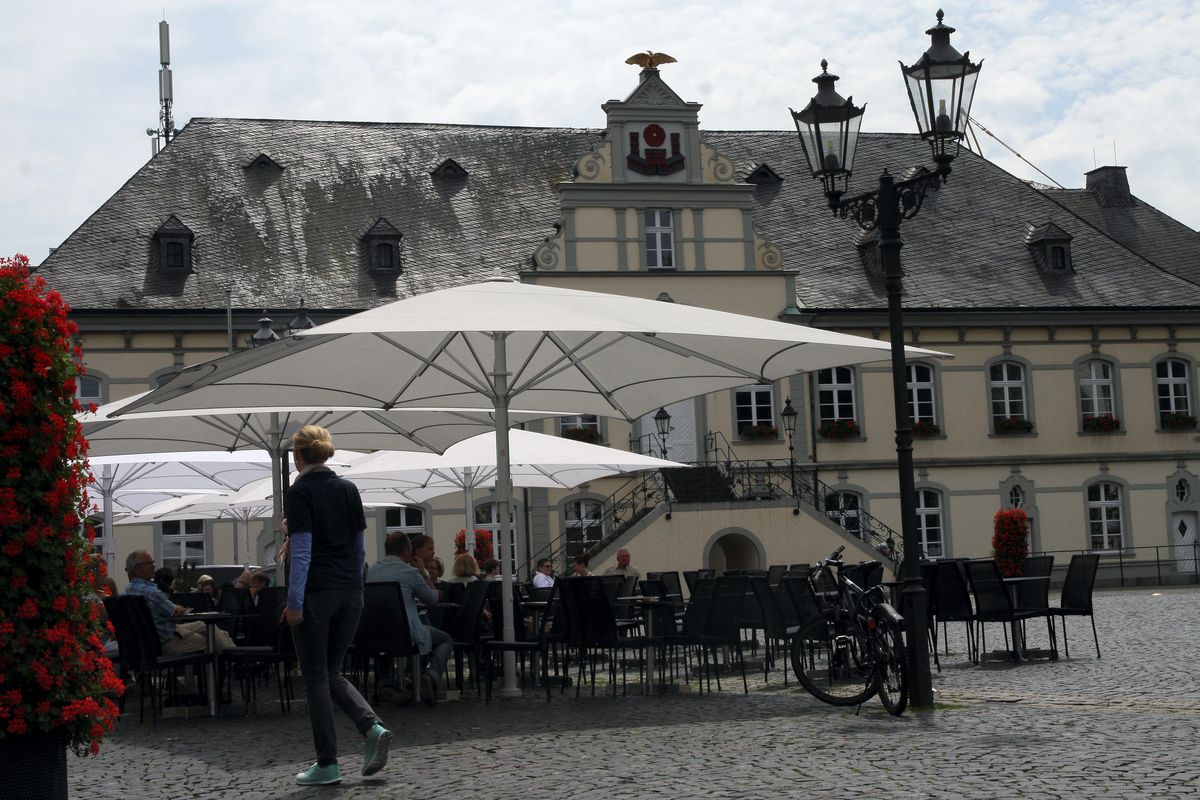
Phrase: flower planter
(1010, 541)
(33, 766)
(1105, 423)
(1177, 422)
(925, 429)
(586, 435)
(1014, 425)
(759, 433)
(838, 429)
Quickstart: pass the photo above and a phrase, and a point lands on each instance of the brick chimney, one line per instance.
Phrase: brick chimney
(1110, 185)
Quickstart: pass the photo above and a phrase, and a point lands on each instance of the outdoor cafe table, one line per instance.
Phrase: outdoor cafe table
(1018, 641)
(210, 619)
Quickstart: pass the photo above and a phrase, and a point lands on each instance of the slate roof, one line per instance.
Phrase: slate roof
(275, 236)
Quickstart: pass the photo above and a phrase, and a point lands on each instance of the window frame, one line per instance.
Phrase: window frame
(912, 404)
(836, 388)
(923, 513)
(1187, 382)
(570, 548)
(494, 526)
(592, 421)
(1120, 506)
(1026, 385)
(755, 420)
(412, 530)
(653, 226)
(842, 514)
(175, 562)
(1113, 381)
(102, 386)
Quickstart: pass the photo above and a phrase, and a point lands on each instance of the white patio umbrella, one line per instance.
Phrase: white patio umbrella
(487, 345)
(266, 431)
(535, 460)
(127, 483)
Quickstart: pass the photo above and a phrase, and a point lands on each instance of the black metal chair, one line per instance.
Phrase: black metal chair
(468, 633)
(384, 634)
(689, 577)
(1076, 599)
(952, 600)
(536, 644)
(776, 632)
(993, 603)
(691, 632)
(775, 574)
(267, 648)
(152, 667)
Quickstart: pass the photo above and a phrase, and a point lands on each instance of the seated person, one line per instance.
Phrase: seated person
(491, 570)
(187, 637)
(464, 569)
(544, 577)
(258, 582)
(164, 579)
(435, 570)
(432, 642)
(206, 586)
(579, 567)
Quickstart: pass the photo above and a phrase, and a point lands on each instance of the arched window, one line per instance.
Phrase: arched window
(922, 397)
(1172, 383)
(182, 542)
(89, 389)
(843, 508)
(1016, 497)
(1096, 395)
(1007, 384)
(488, 518)
(835, 395)
(406, 519)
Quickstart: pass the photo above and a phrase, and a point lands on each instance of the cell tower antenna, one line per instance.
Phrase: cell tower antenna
(165, 131)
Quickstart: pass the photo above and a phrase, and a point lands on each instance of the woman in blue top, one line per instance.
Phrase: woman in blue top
(326, 550)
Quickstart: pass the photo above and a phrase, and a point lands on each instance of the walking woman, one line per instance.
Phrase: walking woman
(325, 599)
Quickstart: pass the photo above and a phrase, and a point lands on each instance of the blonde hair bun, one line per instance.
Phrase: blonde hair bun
(314, 442)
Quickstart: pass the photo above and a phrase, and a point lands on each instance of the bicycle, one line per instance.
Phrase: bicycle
(855, 649)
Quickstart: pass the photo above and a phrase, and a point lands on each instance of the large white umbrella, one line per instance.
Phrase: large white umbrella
(487, 345)
(265, 431)
(535, 460)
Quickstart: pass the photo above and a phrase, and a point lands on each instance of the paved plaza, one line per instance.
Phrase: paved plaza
(1126, 725)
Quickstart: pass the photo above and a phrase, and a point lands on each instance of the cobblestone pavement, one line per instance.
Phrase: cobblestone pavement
(1125, 725)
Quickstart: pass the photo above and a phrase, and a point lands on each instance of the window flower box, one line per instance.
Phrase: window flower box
(583, 434)
(1013, 425)
(838, 429)
(758, 433)
(925, 428)
(1105, 423)
(1177, 422)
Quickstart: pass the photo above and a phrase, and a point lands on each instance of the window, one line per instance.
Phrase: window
(183, 541)
(384, 258)
(754, 412)
(584, 527)
(1058, 257)
(1104, 516)
(1096, 389)
(89, 389)
(929, 522)
(486, 518)
(581, 427)
(1016, 497)
(835, 394)
(98, 528)
(1173, 386)
(660, 239)
(176, 255)
(922, 406)
(842, 508)
(405, 519)
(1008, 392)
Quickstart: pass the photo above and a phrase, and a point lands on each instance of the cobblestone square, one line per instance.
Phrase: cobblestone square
(1124, 725)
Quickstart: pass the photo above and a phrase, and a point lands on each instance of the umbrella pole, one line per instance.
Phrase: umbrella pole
(106, 491)
(276, 451)
(509, 686)
(469, 512)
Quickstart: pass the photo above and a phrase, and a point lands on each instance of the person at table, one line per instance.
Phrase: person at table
(326, 550)
(258, 582)
(464, 569)
(623, 567)
(176, 638)
(423, 550)
(491, 570)
(579, 567)
(544, 577)
(435, 645)
(206, 586)
(435, 569)
(164, 579)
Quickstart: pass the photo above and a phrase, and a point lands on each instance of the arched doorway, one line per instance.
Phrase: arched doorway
(733, 549)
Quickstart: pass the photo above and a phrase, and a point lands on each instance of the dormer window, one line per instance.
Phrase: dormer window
(449, 169)
(174, 240)
(763, 174)
(383, 246)
(263, 163)
(1051, 247)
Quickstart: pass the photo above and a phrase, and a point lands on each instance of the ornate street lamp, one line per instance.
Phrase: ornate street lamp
(789, 427)
(302, 321)
(941, 85)
(264, 334)
(662, 424)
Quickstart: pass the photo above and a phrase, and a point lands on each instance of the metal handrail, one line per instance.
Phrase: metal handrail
(1178, 554)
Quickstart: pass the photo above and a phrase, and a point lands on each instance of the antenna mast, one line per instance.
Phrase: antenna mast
(166, 120)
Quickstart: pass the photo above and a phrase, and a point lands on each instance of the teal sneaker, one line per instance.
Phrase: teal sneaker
(375, 755)
(316, 775)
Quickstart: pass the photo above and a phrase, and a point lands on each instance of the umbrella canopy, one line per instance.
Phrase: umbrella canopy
(485, 345)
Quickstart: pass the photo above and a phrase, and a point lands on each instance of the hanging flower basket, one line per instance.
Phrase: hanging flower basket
(1010, 541)
(483, 544)
(1177, 422)
(55, 681)
(583, 434)
(925, 428)
(752, 433)
(838, 429)
(1013, 425)
(1104, 423)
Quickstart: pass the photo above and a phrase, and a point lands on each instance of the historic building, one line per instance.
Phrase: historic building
(1073, 317)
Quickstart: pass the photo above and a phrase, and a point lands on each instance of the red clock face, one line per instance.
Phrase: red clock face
(654, 135)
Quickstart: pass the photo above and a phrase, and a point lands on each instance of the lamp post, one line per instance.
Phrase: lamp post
(662, 424)
(789, 427)
(302, 321)
(265, 333)
(940, 87)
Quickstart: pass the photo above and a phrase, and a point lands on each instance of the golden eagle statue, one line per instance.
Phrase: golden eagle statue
(650, 59)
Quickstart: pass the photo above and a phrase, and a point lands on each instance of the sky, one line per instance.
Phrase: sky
(1068, 85)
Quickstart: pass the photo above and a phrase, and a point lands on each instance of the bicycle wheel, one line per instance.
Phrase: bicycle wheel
(891, 664)
(831, 662)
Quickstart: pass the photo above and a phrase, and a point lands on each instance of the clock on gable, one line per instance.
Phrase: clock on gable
(655, 150)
